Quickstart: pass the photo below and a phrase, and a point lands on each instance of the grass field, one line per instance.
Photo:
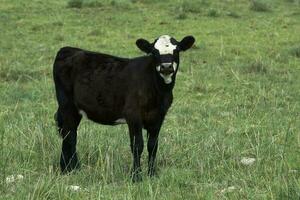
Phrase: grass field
(237, 96)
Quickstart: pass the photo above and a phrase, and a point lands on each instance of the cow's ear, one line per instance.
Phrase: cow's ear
(186, 43)
(144, 45)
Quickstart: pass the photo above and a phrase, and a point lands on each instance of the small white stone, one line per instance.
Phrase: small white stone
(14, 178)
(248, 161)
(74, 188)
(20, 177)
(225, 114)
(229, 189)
(293, 171)
(10, 179)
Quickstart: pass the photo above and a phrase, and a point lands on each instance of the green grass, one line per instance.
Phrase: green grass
(237, 95)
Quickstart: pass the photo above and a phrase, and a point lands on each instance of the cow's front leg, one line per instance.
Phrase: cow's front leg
(152, 148)
(137, 145)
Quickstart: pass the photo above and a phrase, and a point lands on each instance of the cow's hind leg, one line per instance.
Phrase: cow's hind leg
(68, 119)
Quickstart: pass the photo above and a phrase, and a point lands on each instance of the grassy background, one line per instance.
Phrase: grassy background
(237, 95)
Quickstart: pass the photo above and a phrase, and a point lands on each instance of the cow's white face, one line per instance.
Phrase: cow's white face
(165, 50)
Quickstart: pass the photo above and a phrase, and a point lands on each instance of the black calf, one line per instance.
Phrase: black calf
(111, 90)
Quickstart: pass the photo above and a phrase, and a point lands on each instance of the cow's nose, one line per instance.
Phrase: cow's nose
(167, 68)
(166, 65)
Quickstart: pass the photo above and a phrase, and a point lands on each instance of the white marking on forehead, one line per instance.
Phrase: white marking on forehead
(164, 45)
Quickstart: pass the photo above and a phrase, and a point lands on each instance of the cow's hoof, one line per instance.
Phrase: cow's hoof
(152, 173)
(136, 177)
(71, 165)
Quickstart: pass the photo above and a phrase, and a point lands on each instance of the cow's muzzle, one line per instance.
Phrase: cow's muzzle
(166, 68)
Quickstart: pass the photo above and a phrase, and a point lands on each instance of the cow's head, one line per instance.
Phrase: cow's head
(165, 50)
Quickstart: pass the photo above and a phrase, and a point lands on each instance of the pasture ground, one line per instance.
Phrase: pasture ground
(237, 96)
